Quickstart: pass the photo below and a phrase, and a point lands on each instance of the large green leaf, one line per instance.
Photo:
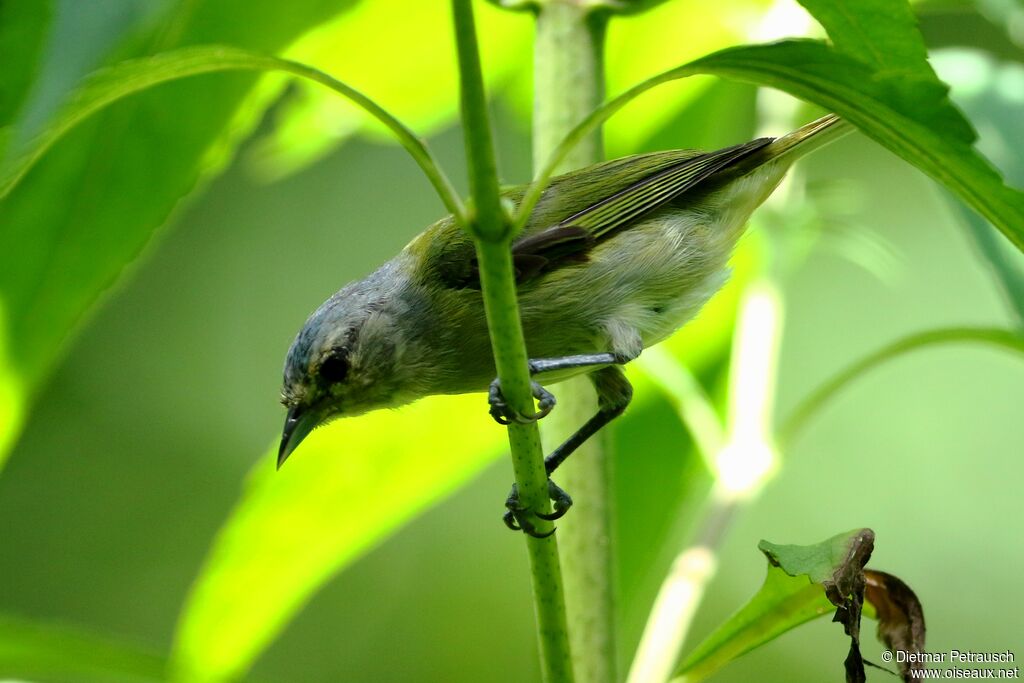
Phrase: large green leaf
(880, 33)
(808, 581)
(416, 82)
(44, 652)
(350, 485)
(782, 603)
(923, 126)
(910, 116)
(70, 227)
(884, 35)
(127, 78)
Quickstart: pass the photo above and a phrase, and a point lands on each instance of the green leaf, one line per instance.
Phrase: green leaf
(45, 652)
(349, 486)
(795, 591)
(49, 275)
(116, 83)
(817, 399)
(416, 82)
(907, 119)
(830, 563)
(783, 603)
(911, 117)
(89, 206)
(883, 34)
(880, 33)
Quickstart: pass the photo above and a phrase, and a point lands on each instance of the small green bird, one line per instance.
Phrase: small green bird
(615, 258)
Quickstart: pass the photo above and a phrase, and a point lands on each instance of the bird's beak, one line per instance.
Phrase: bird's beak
(299, 423)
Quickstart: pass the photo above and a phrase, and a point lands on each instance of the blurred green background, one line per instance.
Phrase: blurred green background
(139, 443)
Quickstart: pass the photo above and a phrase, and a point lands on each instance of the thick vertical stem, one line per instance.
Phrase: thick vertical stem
(568, 77)
(497, 276)
(490, 229)
(568, 85)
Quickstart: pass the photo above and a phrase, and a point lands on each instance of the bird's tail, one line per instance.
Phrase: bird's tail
(789, 148)
(807, 138)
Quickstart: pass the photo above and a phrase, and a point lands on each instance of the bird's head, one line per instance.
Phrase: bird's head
(345, 360)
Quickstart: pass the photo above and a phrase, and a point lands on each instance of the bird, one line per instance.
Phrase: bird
(613, 259)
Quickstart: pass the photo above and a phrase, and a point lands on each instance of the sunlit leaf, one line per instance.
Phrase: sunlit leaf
(410, 69)
(417, 82)
(643, 44)
(69, 227)
(783, 603)
(47, 652)
(348, 487)
(108, 86)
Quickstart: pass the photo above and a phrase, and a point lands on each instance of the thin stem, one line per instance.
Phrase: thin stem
(568, 85)
(691, 402)
(568, 67)
(817, 399)
(490, 230)
(742, 465)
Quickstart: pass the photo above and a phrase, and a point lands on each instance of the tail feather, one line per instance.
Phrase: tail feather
(795, 145)
(807, 138)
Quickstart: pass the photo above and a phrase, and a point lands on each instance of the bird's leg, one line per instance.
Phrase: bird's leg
(614, 393)
(504, 414)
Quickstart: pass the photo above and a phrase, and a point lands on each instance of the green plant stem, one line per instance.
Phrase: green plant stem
(568, 85)
(810, 406)
(742, 462)
(490, 230)
(568, 75)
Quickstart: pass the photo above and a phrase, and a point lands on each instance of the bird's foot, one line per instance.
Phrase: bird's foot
(504, 414)
(517, 517)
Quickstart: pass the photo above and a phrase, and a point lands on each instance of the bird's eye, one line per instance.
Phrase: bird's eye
(334, 368)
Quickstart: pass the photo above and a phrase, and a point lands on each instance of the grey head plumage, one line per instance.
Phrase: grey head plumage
(344, 359)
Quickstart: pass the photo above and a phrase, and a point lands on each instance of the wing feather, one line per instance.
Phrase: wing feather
(656, 190)
(639, 185)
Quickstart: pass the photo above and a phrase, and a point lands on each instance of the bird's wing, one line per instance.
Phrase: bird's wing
(571, 217)
(569, 239)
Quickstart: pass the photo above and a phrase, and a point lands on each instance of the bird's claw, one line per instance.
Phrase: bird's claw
(505, 415)
(517, 516)
(561, 502)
